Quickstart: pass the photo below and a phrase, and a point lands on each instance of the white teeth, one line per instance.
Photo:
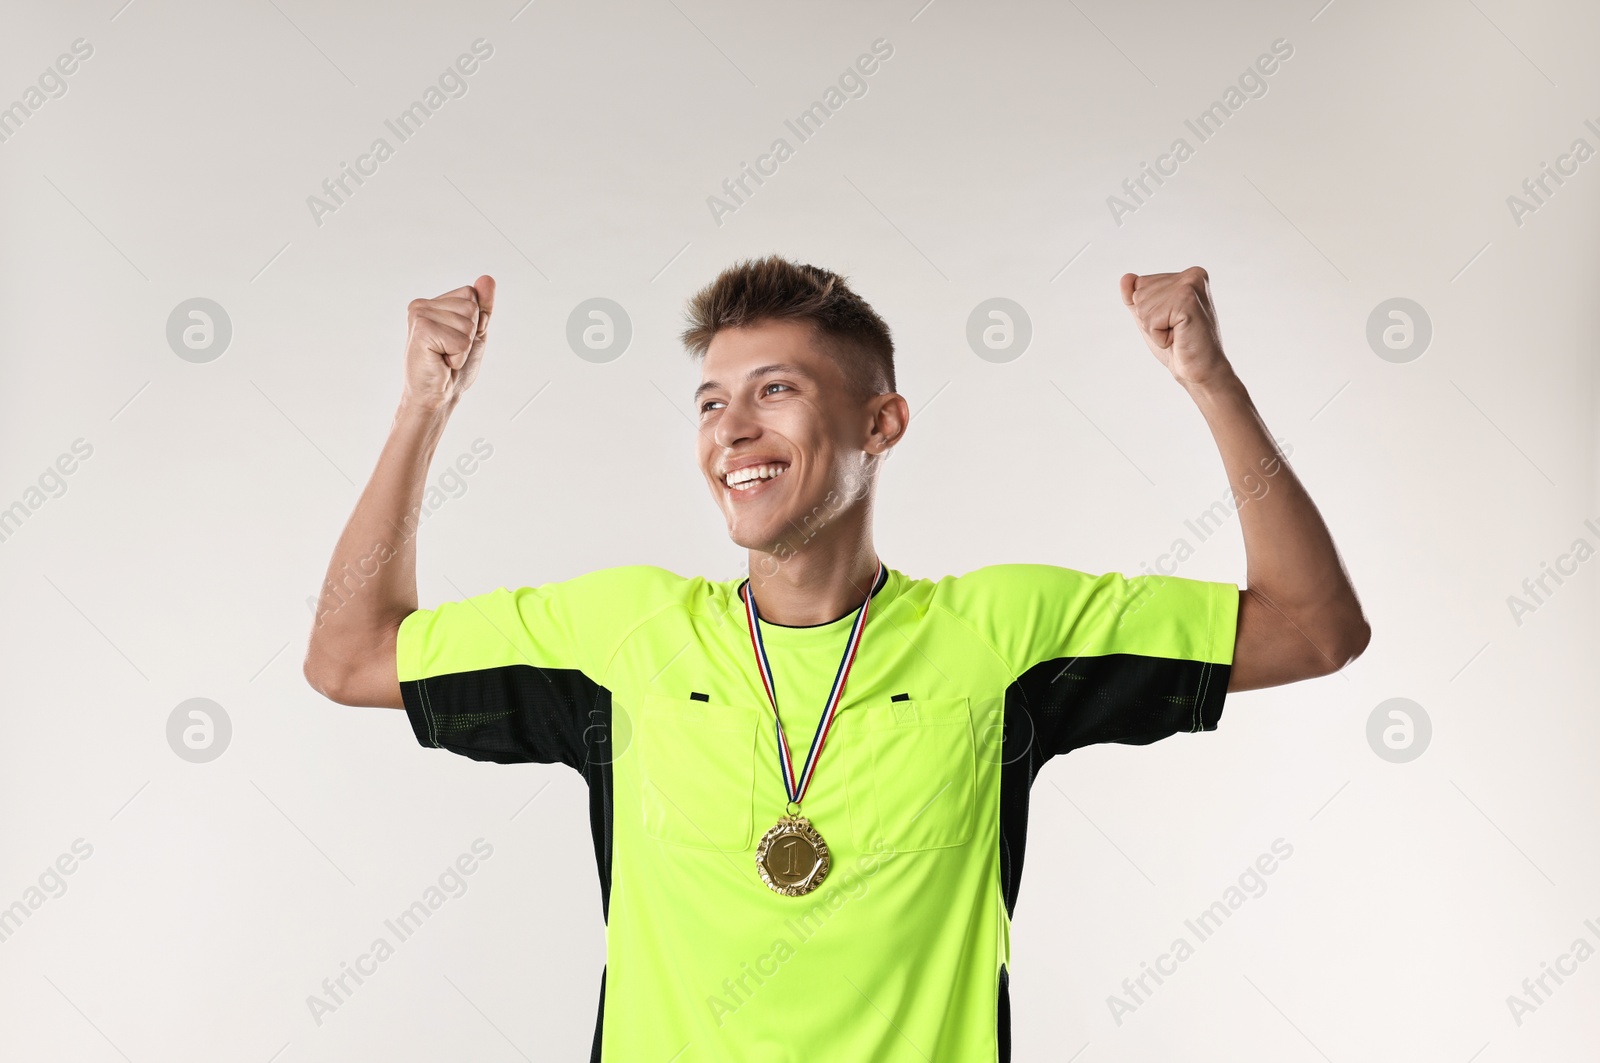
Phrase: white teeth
(742, 479)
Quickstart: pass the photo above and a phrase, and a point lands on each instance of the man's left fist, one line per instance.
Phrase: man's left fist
(1178, 323)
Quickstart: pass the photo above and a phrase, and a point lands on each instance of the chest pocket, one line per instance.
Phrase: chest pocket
(914, 778)
(696, 772)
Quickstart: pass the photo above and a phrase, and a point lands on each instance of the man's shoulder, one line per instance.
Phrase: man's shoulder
(636, 590)
(1008, 580)
(629, 580)
(1013, 596)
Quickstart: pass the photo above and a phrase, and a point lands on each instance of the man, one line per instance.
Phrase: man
(751, 915)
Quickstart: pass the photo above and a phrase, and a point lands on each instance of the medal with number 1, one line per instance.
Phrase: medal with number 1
(792, 857)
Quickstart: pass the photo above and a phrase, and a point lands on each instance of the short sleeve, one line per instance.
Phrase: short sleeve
(1105, 658)
(513, 676)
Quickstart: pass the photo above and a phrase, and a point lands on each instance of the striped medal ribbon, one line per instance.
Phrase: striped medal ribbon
(792, 858)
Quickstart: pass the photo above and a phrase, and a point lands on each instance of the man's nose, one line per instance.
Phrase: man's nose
(735, 424)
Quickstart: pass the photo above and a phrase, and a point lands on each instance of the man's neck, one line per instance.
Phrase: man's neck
(815, 585)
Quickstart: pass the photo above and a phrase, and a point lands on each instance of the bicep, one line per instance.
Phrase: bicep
(1270, 649)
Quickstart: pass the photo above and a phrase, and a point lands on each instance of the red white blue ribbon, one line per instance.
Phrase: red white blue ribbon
(793, 785)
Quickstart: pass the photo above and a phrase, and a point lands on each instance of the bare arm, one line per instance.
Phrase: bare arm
(371, 584)
(1298, 613)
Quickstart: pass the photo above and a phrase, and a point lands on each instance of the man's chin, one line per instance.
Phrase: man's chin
(764, 537)
(743, 539)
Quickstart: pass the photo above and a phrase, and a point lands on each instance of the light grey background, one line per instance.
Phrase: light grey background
(178, 562)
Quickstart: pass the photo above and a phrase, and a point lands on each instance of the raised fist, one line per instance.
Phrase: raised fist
(445, 338)
(1176, 317)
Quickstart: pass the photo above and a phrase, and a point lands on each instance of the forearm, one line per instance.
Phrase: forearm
(1290, 558)
(371, 582)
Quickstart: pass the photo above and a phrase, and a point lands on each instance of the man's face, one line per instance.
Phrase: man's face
(768, 397)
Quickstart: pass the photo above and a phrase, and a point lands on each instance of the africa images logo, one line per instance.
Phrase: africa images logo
(450, 884)
(452, 85)
(1251, 883)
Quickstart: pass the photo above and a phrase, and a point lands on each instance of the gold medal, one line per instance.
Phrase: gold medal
(792, 857)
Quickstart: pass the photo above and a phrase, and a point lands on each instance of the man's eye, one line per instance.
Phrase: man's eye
(706, 405)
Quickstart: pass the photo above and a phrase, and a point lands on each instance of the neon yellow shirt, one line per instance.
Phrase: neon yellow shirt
(645, 682)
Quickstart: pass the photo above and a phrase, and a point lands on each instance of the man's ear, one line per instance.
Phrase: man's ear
(890, 419)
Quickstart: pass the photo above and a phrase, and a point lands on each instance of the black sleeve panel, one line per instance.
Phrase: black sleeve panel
(510, 715)
(1120, 697)
(1059, 705)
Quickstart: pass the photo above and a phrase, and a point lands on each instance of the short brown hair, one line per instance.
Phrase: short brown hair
(773, 288)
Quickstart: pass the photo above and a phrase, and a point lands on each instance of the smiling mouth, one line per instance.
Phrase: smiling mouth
(751, 478)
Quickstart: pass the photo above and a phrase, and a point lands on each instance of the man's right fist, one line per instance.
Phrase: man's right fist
(445, 338)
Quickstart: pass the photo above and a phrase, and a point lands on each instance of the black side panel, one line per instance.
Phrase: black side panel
(600, 1020)
(601, 747)
(1003, 1017)
(1023, 757)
